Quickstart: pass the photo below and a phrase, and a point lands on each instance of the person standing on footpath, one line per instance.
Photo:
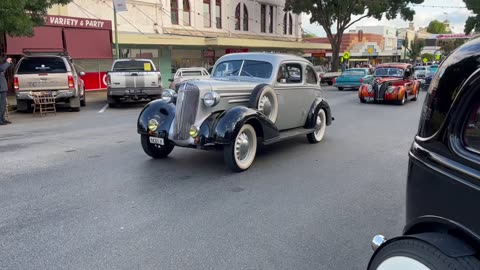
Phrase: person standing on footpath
(3, 91)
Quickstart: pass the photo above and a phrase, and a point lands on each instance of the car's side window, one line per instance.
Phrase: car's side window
(472, 129)
(290, 73)
(311, 76)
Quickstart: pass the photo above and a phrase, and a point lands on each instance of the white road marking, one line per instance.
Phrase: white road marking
(103, 109)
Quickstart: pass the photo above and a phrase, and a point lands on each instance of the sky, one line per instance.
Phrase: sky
(423, 15)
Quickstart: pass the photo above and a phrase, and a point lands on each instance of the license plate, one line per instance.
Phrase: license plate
(155, 140)
(136, 91)
(369, 98)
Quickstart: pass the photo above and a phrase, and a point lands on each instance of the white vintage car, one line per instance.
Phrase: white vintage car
(250, 99)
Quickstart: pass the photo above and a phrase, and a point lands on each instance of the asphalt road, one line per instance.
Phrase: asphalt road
(77, 192)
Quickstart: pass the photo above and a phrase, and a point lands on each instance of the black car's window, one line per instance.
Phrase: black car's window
(32, 65)
(472, 129)
(311, 76)
(290, 73)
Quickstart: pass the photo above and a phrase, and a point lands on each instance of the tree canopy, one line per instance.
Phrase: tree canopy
(416, 49)
(18, 17)
(473, 22)
(437, 27)
(336, 16)
(430, 57)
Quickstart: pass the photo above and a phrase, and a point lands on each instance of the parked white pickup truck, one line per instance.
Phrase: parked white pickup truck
(184, 74)
(132, 80)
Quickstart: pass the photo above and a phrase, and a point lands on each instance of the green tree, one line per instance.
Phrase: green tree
(309, 35)
(18, 17)
(437, 27)
(473, 22)
(343, 14)
(416, 49)
(429, 56)
(449, 45)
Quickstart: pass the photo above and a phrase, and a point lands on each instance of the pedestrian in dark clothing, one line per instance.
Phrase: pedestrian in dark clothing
(3, 90)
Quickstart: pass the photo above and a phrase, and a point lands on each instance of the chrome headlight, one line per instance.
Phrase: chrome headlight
(211, 99)
(369, 88)
(152, 125)
(168, 95)
(390, 89)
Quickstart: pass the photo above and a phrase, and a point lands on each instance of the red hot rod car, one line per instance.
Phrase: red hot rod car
(391, 83)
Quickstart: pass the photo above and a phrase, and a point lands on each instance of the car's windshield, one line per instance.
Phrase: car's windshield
(32, 65)
(249, 68)
(133, 65)
(354, 72)
(191, 73)
(421, 69)
(388, 72)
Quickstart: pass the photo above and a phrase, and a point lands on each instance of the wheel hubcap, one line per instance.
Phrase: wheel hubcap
(320, 125)
(265, 106)
(242, 146)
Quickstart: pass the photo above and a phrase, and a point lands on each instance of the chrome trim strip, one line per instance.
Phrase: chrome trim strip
(238, 100)
(226, 95)
(453, 165)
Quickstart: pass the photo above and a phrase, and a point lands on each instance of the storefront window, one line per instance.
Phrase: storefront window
(263, 18)
(245, 18)
(174, 11)
(285, 22)
(218, 13)
(271, 20)
(186, 13)
(290, 25)
(237, 17)
(207, 19)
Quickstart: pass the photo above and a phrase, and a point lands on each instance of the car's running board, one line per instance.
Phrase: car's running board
(288, 134)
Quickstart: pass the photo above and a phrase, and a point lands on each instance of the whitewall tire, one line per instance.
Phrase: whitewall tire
(240, 154)
(321, 126)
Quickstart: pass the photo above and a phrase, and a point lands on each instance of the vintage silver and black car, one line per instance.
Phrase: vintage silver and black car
(250, 99)
(443, 184)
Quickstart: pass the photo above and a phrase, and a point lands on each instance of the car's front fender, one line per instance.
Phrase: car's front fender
(159, 110)
(229, 122)
(317, 105)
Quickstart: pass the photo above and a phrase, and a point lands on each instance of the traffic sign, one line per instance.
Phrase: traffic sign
(437, 57)
(346, 55)
(425, 60)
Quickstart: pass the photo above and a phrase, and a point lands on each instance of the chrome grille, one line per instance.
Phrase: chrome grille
(379, 94)
(186, 111)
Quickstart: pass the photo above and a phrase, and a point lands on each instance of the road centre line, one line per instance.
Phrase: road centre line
(103, 109)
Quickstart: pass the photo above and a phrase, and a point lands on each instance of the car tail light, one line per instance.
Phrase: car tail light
(16, 85)
(334, 80)
(159, 79)
(361, 80)
(108, 80)
(71, 83)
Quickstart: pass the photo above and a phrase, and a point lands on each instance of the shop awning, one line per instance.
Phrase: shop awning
(262, 43)
(45, 37)
(88, 43)
(126, 38)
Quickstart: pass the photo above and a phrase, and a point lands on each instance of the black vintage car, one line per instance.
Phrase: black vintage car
(443, 187)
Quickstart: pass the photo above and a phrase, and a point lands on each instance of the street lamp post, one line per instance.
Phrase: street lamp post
(117, 52)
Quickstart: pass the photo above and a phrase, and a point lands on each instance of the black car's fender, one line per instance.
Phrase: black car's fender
(226, 125)
(318, 104)
(159, 110)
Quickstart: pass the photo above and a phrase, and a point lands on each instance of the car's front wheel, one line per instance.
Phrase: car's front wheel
(155, 150)
(416, 94)
(414, 254)
(321, 126)
(403, 100)
(240, 154)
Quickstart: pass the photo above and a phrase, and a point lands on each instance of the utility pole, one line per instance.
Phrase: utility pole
(405, 49)
(117, 51)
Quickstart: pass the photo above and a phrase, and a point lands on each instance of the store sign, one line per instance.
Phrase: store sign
(320, 54)
(208, 53)
(227, 51)
(453, 36)
(120, 5)
(77, 22)
(399, 44)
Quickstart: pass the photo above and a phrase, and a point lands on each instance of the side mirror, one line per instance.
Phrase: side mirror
(170, 80)
(81, 73)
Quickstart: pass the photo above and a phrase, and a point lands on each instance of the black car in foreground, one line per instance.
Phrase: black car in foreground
(443, 187)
